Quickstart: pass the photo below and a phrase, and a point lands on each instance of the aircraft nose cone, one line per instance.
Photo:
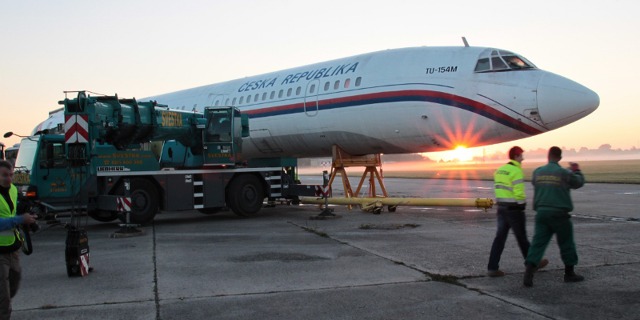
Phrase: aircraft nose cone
(562, 101)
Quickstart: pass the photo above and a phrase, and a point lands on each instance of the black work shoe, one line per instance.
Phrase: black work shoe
(495, 273)
(528, 276)
(573, 277)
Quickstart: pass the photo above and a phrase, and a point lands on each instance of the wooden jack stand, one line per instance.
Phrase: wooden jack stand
(371, 162)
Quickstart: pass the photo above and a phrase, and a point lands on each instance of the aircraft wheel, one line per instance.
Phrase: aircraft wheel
(144, 201)
(245, 195)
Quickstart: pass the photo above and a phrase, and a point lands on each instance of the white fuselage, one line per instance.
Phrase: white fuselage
(394, 101)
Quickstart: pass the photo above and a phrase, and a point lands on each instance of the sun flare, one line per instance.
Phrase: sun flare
(462, 154)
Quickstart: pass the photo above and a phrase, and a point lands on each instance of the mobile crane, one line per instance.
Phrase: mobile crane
(108, 140)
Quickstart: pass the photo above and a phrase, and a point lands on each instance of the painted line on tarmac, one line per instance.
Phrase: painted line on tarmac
(605, 218)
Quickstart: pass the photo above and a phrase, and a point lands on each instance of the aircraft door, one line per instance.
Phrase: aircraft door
(311, 98)
(217, 100)
(528, 103)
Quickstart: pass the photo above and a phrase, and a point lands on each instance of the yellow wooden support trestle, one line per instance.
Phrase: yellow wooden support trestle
(373, 168)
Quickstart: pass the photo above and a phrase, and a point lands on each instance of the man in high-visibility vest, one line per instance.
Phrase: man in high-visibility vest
(10, 241)
(552, 202)
(511, 200)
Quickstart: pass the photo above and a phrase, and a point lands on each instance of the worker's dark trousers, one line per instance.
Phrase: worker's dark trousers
(508, 219)
(548, 222)
(9, 281)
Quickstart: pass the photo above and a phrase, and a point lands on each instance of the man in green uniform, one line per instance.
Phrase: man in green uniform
(10, 241)
(552, 202)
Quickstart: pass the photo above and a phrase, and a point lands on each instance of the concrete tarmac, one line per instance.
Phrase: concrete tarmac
(415, 263)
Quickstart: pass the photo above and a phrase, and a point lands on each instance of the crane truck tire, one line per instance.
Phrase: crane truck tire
(210, 211)
(245, 194)
(144, 201)
(103, 215)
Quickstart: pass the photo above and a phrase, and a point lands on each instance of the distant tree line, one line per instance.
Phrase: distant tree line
(584, 153)
(404, 157)
(604, 151)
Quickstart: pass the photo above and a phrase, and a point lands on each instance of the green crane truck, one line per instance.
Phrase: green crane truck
(107, 141)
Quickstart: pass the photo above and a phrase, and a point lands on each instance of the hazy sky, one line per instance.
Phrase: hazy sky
(141, 48)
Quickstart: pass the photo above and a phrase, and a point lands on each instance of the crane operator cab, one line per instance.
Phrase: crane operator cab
(223, 135)
(219, 127)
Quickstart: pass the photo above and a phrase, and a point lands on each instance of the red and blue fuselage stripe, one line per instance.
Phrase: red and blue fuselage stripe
(399, 96)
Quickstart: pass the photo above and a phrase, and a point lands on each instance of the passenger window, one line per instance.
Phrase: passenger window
(241, 98)
(280, 93)
(264, 96)
(298, 90)
(226, 102)
(358, 81)
(249, 99)
(312, 88)
(289, 92)
(216, 104)
(233, 102)
(346, 83)
(326, 86)
(273, 94)
(336, 85)
(255, 98)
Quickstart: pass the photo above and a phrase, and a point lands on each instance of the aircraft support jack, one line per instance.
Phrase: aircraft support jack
(373, 168)
(327, 213)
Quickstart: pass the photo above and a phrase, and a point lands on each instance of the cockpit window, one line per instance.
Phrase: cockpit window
(500, 60)
(497, 63)
(483, 65)
(516, 62)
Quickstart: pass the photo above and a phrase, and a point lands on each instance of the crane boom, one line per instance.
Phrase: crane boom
(215, 134)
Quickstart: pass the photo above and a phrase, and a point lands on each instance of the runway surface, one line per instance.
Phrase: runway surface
(598, 200)
(415, 263)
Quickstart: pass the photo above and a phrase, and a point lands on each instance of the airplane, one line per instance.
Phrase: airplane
(406, 100)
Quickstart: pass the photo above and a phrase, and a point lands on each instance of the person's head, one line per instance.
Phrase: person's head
(555, 154)
(516, 153)
(6, 173)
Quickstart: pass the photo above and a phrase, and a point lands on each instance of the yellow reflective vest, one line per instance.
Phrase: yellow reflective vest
(509, 184)
(8, 237)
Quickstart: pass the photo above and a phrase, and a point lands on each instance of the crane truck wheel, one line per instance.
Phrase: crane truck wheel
(103, 215)
(245, 195)
(144, 201)
(210, 210)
